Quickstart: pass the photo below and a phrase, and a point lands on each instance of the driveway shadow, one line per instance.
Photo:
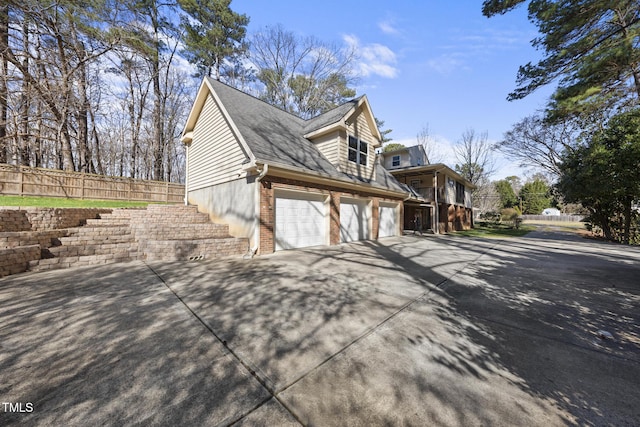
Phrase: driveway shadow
(547, 305)
(112, 345)
(404, 331)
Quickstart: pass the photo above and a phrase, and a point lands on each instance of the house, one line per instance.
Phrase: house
(447, 209)
(285, 182)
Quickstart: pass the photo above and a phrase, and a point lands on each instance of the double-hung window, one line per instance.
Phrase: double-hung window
(358, 150)
(459, 193)
(395, 161)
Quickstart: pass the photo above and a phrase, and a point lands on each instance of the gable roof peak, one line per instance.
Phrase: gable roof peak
(214, 82)
(339, 116)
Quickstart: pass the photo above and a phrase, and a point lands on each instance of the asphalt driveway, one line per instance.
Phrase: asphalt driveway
(540, 330)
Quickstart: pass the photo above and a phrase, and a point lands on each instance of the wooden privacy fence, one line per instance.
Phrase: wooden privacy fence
(26, 181)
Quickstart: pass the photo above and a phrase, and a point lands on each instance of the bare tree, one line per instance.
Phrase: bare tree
(4, 75)
(486, 197)
(475, 156)
(430, 145)
(50, 48)
(304, 76)
(535, 143)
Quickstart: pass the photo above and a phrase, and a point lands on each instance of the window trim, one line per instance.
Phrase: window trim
(460, 193)
(361, 150)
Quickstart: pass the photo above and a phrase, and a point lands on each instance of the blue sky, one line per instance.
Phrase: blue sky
(436, 63)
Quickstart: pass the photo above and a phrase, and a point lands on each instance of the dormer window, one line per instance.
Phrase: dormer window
(358, 150)
(395, 161)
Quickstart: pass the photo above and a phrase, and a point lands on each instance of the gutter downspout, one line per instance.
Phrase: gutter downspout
(256, 231)
(186, 177)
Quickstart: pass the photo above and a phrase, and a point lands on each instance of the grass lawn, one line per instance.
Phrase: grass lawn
(59, 202)
(495, 231)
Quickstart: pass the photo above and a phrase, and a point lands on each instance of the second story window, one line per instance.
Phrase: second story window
(395, 161)
(459, 193)
(358, 150)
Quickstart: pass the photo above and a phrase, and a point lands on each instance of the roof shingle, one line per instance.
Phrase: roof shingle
(275, 136)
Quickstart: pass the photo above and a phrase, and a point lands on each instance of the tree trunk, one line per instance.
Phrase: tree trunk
(83, 122)
(96, 145)
(22, 149)
(68, 163)
(37, 142)
(4, 73)
(158, 127)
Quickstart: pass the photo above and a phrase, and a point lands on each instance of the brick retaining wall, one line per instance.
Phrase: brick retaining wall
(14, 239)
(36, 219)
(16, 260)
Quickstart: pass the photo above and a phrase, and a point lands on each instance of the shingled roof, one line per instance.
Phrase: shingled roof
(275, 136)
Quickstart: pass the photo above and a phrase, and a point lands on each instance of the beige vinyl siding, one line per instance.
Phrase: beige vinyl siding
(468, 203)
(405, 161)
(329, 146)
(215, 155)
(450, 186)
(360, 129)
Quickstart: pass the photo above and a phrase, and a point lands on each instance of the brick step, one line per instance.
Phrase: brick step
(80, 261)
(97, 240)
(154, 231)
(108, 222)
(175, 208)
(107, 247)
(185, 250)
(97, 232)
(123, 213)
(170, 219)
(13, 239)
(158, 232)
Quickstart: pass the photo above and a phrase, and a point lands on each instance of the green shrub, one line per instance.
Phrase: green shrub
(511, 216)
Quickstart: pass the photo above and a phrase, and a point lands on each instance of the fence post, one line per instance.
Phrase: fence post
(166, 192)
(129, 190)
(82, 189)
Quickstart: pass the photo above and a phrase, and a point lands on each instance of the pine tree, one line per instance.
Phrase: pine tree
(213, 34)
(591, 50)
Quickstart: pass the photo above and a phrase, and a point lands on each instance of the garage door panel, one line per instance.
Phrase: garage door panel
(387, 220)
(354, 220)
(299, 222)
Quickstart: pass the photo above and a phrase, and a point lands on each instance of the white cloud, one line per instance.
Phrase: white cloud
(463, 47)
(388, 28)
(375, 58)
(447, 64)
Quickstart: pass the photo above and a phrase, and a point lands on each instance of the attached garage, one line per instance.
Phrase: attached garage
(301, 220)
(388, 220)
(355, 219)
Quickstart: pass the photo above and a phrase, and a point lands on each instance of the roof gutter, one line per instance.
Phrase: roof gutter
(286, 171)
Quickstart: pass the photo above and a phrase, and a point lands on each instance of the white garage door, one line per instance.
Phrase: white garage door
(354, 220)
(387, 221)
(300, 221)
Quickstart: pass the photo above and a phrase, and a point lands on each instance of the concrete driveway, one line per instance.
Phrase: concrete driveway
(541, 330)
